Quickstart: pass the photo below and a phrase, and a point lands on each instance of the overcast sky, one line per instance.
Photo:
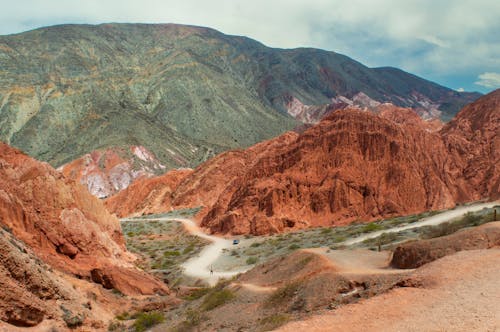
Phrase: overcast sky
(452, 42)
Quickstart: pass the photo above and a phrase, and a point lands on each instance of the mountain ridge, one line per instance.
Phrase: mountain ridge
(185, 93)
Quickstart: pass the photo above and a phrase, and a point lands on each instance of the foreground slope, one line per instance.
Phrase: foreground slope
(182, 92)
(66, 226)
(436, 300)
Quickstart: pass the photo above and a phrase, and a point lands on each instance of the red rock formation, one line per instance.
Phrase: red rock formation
(65, 225)
(187, 188)
(474, 137)
(147, 196)
(106, 172)
(353, 165)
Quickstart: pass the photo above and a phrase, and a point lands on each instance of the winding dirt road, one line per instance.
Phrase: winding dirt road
(200, 266)
(429, 221)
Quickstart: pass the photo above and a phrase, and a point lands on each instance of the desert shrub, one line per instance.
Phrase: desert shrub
(116, 327)
(197, 293)
(123, 316)
(216, 298)
(283, 294)
(326, 230)
(256, 244)
(146, 320)
(188, 249)
(251, 260)
(271, 323)
(446, 228)
(371, 227)
(71, 320)
(171, 253)
(294, 246)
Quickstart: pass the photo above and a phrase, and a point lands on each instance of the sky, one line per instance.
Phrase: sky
(455, 43)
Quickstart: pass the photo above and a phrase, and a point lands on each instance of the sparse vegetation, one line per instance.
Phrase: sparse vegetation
(252, 260)
(272, 322)
(146, 320)
(162, 245)
(197, 293)
(72, 320)
(116, 327)
(216, 298)
(468, 220)
(283, 294)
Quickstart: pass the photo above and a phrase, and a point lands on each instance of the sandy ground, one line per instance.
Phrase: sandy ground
(429, 221)
(461, 293)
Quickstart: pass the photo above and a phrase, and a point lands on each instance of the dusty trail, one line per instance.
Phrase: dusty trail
(199, 266)
(429, 221)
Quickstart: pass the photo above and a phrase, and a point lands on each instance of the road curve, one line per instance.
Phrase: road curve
(428, 221)
(199, 266)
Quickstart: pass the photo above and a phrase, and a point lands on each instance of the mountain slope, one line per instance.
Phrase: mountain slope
(66, 226)
(182, 92)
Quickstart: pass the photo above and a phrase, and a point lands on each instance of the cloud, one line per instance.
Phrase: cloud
(489, 80)
(460, 89)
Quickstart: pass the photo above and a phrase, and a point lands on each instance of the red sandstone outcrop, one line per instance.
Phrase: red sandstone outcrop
(353, 165)
(147, 196)
(64, 224)
(186, 188)
(474, 137)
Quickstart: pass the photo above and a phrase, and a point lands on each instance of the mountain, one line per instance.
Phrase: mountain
(184, 93)
(353, 165)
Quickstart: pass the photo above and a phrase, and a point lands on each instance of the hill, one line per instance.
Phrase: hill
(182, 92)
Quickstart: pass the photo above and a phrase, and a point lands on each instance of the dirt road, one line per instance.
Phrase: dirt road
(429, 221)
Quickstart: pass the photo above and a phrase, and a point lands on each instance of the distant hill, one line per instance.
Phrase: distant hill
(183, 92)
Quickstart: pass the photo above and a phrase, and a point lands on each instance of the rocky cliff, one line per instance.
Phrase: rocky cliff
(66, 226)
(182, 92)
(474, 137)
(353, 165)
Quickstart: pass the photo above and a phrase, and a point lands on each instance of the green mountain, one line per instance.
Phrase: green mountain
(183, 92)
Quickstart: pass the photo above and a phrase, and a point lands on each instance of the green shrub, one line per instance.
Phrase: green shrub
(371, 227)
(294, 246)
(116, 327)
(252, 260)
(197, 293)
(271, 323)
(188, 249)
(283, 294)
(171, 253)
(146, 320)
(123, 316)
(326, 230)
(216, 298)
